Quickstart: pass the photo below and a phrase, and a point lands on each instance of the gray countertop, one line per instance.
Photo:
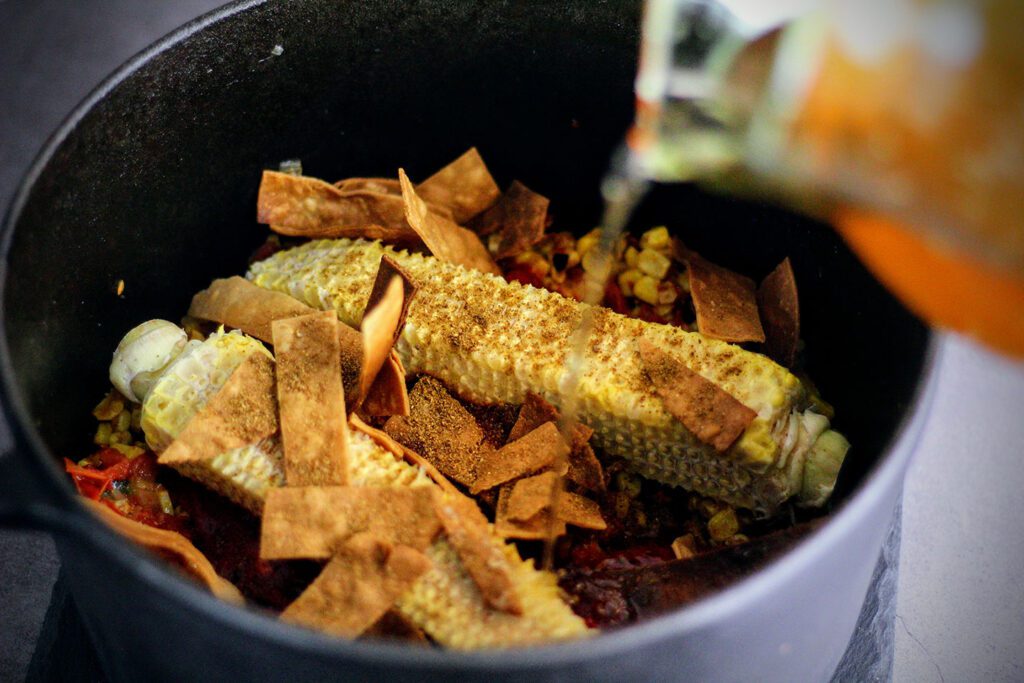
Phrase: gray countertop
(960, 609)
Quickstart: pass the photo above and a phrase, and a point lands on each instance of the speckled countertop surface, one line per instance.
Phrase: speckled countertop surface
(960, 600)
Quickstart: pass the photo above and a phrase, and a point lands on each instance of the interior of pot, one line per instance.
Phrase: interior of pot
(156, 185)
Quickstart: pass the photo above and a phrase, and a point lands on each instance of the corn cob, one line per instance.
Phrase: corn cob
(445, 601)
(494, 341)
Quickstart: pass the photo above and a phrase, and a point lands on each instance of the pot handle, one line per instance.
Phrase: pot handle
(29, 498)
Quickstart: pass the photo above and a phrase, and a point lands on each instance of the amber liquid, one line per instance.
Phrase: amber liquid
(623, 189)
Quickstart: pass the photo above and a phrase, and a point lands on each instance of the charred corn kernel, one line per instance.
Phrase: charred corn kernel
(723, 525)
(656, 238)
(683, 280)
(517, 344)
(653, 263)
(646, 289)
(631, 256)
(444, 602)
(123, 421)
(110, 406)
(588, 241)
(102, 436)
(627, 280)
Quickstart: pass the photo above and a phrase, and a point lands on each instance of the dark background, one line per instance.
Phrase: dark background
(52, 54)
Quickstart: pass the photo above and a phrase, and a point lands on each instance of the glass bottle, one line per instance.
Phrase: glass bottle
(901, 122)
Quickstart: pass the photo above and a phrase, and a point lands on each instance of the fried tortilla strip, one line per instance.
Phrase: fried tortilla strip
(238, 303)
(534, 412)
(584, 467)
(464, 186)
(725, 302)
(446, 240)
(395, 626)
(441, 429)
(314, 428)
(541, 448)
(780, 313)
(311, 522)
(389, 186)
(714, 416)
(357, 587)
(519, 218)
(308, 207)
(531, 495)
(537, 528)
(467, 531)
(383, 319)
(241, 413)
(171, 545)
(387, 395)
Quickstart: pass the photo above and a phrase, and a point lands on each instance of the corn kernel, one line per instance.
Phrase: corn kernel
(736, 539)
(165, 502)
(653, 263)
(656, 238)
(664, 310)
(682, 547)
(120, 437)
(723, 525)
(129, 451)
(534, 262)
(631, 256)
(708, 507)
(110, 406)
(628, 279)
(596, 262)
(628, 483)
(137, 418)
(102, 437)
(646, 289)
(122, 422)
(588, 241)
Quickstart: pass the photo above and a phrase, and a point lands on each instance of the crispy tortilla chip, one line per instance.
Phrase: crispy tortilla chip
(238, 303)
(379, 185)
(357, 587)
(543, 447)
(537, 528)
(484, 560)
(379, 436)
(584, 467)
(464, 186)
(580, 511)
(446, 240)
(387, 395)
(395, 626)
(780, 312)
(311, 522)
(519, 219)
(532, 495)
(441, 429)
(241, 413)
(379, 330)
(534, 412)
(386, 272)
(314, 428)
(725, 302)
(308, 207)
(714, 416)
(171, 545)
(350, 354)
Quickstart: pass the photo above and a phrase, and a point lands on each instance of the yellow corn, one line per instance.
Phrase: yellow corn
(495, 341)
(445, 601)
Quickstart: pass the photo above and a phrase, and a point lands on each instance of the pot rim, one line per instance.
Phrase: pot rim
(73, 518)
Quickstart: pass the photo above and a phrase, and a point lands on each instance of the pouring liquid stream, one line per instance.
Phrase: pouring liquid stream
(622, 189)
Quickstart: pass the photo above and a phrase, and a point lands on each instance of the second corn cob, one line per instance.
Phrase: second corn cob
(444, 602)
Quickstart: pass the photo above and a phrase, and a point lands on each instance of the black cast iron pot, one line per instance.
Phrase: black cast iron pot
(153, 180)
